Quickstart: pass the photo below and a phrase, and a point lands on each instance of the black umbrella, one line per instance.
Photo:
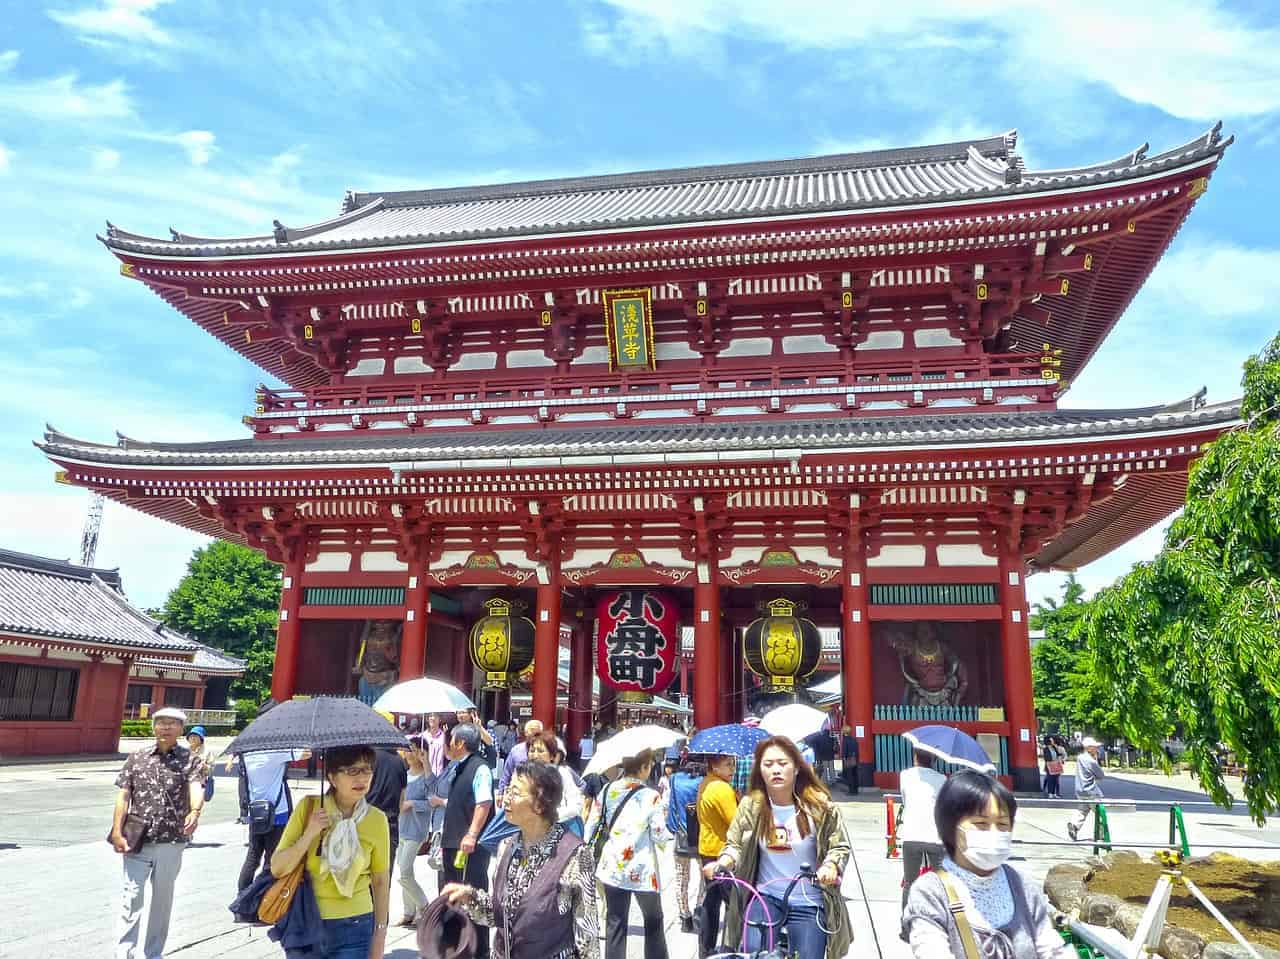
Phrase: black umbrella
(324, 722)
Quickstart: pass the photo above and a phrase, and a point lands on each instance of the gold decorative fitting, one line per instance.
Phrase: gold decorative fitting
(1088, 262)
(247, 420)
(308, 331)
(226, 320)
(1132, 226)
(846, 299)
(546, 318)
(60, 476)
(415, 325)
(702, 307)
(248, 336)
(259, 408)
(1197, 187)
(126, 269)
(982, 291)
(1064, 288)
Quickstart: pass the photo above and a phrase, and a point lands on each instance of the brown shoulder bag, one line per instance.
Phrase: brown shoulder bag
(276, 900)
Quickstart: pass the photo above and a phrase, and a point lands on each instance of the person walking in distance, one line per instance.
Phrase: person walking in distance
(162, 787)
(921, 847)
(1088, 773)
(1055, 754)
(636, 839)
(466, 813)
(682, 791)
(268, 806)
(386, 792)
(519, 753)
(415, 827)
(435, 740)
(717, 805)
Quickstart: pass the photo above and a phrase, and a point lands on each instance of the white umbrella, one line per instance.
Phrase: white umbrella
(795, 721)
(416, 697)
(630, 743)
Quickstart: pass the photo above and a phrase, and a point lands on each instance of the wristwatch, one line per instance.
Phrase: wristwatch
(380, 927)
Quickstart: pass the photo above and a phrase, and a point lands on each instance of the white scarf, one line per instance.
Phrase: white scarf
(342, 855)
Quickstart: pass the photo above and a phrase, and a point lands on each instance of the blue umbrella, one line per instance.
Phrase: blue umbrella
(951, 746)
(733, 739)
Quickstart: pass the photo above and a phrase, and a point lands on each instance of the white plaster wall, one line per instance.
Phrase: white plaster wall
(882, 340)
(330, 563)
(518, 359)
(902, 554)
(749, 346)
(809, 343)
(675, 350)
(936, 337)
(476, 361)
(381, 562)
(964, 554)
(411, 364)
(368, 367)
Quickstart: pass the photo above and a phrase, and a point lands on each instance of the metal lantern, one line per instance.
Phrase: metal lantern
(501, 644)
(637, 642)
(782, 647)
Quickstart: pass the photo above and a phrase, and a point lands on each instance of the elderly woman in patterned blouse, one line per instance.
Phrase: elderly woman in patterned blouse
(543, 904)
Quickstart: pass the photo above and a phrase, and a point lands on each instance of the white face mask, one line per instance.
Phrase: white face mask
(987, 849)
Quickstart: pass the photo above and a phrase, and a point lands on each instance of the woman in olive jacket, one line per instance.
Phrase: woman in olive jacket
(787, 818)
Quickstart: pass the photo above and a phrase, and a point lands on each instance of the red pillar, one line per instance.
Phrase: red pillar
(706, 650)
(546, 648)
(199, 697)
(122, 689)
(581, 673)
(855, 642)
(285, 674)
(157, 696)
(1015, 654)
(413, 641)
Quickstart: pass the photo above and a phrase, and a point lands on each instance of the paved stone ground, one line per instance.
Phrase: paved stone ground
(59, 881)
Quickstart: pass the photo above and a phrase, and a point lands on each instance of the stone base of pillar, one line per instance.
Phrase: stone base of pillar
(1026, 779)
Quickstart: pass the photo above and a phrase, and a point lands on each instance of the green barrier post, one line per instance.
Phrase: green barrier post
(1178, 830)
(1101, 829)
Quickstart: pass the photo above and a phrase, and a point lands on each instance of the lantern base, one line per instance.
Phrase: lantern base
(633, 697)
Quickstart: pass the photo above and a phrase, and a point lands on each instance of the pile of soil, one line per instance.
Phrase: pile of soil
(1247, 893)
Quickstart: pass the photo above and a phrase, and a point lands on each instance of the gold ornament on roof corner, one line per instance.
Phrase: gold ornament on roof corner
(782, 647)
(501, 644)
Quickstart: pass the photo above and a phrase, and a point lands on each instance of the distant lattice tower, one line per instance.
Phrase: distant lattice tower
(89, 538)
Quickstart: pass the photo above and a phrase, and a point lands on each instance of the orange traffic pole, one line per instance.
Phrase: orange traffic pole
(890, 829)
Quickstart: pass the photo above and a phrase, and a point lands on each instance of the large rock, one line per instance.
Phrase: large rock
(1178, 943)
(1065, 886)
(1127, 919)
(1267, 913)
(1233, 950)
(1099, 909)
(1121, 857)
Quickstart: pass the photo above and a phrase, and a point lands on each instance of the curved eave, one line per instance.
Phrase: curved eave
(1205, 148)
(75, 642)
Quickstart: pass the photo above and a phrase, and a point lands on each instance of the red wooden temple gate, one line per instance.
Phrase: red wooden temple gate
(838, 382)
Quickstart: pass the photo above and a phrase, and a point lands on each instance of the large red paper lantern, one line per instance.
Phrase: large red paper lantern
(637, 641)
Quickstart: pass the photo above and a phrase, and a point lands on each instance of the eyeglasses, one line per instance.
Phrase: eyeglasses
(355, 771)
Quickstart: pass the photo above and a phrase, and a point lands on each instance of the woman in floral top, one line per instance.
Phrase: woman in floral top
(543, 904)
(629, 862)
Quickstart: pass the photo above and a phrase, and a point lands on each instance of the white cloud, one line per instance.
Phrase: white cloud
(1218, 279)
(65, 98)
(197, 143)
(104, 159)
(1189, 58)
(6, 158)
(8, 59)
(126, 21)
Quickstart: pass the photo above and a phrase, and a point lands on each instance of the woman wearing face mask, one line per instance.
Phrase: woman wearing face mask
(786, 821)
(1003, 916)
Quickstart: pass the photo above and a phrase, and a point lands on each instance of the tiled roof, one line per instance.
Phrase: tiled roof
(206, 660)
(563, 446)
(950, 172)
(55, 599)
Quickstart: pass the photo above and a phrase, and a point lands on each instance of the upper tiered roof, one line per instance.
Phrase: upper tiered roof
(948, 173)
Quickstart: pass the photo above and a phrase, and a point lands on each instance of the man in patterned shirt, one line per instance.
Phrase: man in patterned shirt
(164, 786)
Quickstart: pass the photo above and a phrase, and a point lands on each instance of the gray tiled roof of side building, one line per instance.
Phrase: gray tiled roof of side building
(866, 432)
(975, 169)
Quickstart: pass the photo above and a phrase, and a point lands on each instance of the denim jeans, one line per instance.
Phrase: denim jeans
(804, 926)
(347, 938)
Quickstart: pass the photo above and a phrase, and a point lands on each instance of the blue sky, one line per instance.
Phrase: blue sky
(216, 118)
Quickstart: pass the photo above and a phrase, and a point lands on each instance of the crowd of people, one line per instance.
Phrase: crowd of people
(464, 805)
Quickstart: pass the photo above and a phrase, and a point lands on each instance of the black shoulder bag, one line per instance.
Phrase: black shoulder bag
(601, 835)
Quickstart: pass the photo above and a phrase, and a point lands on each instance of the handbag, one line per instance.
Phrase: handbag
(279, 895)
(1054, 768)
(431, 849)
(601, 835)
(262, 813)
(134, 830)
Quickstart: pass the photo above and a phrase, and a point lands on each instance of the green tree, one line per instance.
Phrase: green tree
(230, 600)
(1068, 690)
(1192, 638)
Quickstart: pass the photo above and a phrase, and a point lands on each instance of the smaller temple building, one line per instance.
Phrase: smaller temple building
(76, 657)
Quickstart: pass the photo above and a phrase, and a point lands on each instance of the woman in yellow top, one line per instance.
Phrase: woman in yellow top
(717, 804)
(347, 847)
